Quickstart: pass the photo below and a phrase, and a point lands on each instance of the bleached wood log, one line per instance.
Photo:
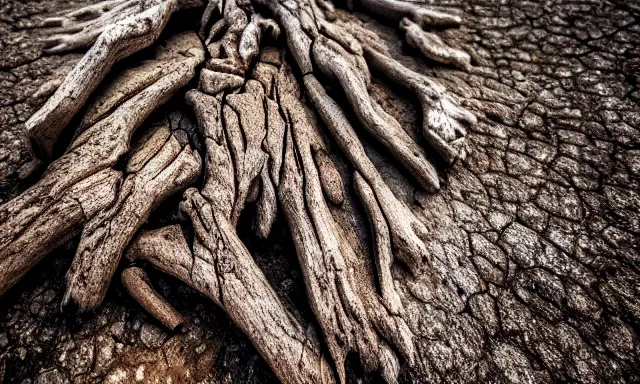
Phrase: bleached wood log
(106, 235)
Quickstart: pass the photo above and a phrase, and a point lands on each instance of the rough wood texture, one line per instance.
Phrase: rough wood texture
(37, 221)
(111, 45)
(350, 322)
(137, 284)
(106, 235)
(406, 230)
(443, 119)
(532, 238)
(262, 146)
(82, 183)
(332, 60)
(221, 267)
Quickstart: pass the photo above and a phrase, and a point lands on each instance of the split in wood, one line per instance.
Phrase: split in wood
(341, 293)
(82, 185)
(221, 267)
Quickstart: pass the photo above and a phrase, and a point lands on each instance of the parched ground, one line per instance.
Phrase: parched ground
(535, 237)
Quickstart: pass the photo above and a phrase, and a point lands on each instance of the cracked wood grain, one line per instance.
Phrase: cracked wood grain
(106, 235)
(126, 37)
(137, 284)
(222, 269)
(89, 159)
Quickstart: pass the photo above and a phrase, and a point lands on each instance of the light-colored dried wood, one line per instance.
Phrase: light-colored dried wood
(331, 60)
(80, 184)
(350, 317)
(263, 146)
(222, 269)
(136, 282)
(444, 119)
(116, 42)
(106, 235)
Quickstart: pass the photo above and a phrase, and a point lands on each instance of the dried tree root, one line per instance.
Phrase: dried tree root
(332, 61)
(81, 183)
(222, 269)
(341, 293)
(411, 19)
(444, 120)
(80, 28)
(341, 57)
(231, 279)
(245, 122)
(396, 10)
(407, 231)
(224, 38)
(105, 237)
(37, 221)
(262, 145)
(432, 46)
(249, 46)
(120, 40)
(179, 50)
(234, 41)
(137, 283)
(382, 240)
(298, 41)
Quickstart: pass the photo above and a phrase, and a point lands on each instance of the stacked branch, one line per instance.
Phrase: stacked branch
(263, 146)
(220, 266)
(82, 189)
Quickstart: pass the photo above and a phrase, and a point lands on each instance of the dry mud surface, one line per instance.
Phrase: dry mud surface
(536, 235)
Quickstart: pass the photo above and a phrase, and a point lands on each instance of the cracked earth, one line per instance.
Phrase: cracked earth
(535, 235)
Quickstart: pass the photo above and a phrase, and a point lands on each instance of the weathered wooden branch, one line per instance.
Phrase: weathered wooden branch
(331, 59)
(432, 46)
(382, 243)
(121, 39)
(37, 221)
(396, 10)
(137, 283)
(106, 235)
(443, 118)
(298, 41)
(80, 184)
(81, 27)
(221, 267)
(327, 261)
(234, 41)
(249, 46)
(406, 230)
